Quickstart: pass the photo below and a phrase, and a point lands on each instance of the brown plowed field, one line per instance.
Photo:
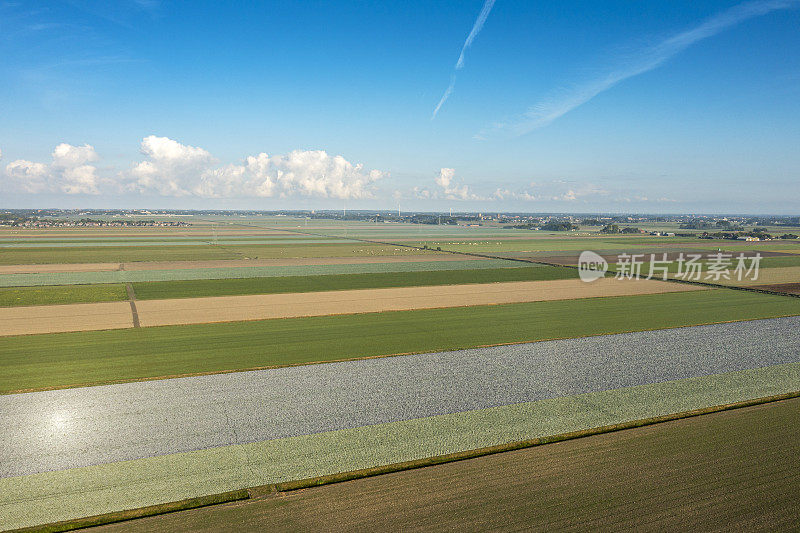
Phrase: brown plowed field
(59, 318)
(258, 307)
(788, 288)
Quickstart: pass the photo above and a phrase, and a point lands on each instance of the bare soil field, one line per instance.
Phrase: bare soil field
(60, 318)
(788, 288)
(259, 307)
(48, 269)
(727, 471)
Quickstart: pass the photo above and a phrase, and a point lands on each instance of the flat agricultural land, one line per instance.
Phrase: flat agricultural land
(241, 272)
(124, 254)
(68, 294)
(265, 280)
(654, 477)
(94, 316)
(59, 318)
(95, 357)
(257, 307)
(132, 421)
(787, 288)
(312, 283)
(279, 294)
(769, 276)
(226, 263)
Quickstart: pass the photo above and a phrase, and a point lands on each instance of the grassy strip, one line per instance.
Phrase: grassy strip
(35, 362)
(274, 285)
(132, 514)
(61, 294)
(288, 486)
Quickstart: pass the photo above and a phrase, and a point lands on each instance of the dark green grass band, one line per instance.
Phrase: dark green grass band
(287, 486)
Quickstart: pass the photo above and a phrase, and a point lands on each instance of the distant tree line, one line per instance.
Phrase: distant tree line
(614, 229)
(560, 226)
(433, 219)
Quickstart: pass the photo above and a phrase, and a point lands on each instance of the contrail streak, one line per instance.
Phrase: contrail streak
(476, 29)
(446, 95)
(553, 108)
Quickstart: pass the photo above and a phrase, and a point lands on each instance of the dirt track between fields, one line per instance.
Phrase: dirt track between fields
(230, 263)
(95, 316)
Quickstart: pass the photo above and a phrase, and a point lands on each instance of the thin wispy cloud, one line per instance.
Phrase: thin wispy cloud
(554, 107)
(476, 29)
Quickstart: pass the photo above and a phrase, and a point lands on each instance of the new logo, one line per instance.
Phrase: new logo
(591, 266)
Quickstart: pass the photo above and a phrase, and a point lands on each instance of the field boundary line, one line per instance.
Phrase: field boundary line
(132, 300)
(275, 489)
(362, 357)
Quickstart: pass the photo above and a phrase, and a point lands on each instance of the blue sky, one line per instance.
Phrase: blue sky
(321, 104)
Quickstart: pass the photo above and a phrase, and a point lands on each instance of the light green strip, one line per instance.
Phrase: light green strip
(134, 276)
(54, 496)
(206, 242)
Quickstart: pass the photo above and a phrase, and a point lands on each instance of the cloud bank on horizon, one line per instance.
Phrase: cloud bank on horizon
(476, 29)
(173, 169)
(554, 107)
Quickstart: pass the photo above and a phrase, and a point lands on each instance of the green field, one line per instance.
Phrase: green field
(71, 359)
(63, 294)
(577, 485)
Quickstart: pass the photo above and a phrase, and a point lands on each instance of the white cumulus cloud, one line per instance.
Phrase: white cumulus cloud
(171, 168)
(449, 190)
(174, 169)
(68, 173)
